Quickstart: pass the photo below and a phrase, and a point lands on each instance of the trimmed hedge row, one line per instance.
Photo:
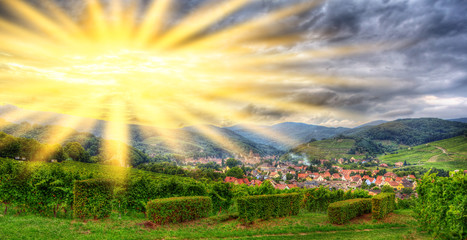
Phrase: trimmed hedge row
(343, 211)
(251, 208)
(318, 199)
(92, 198)
(383, 204)
(178, 209)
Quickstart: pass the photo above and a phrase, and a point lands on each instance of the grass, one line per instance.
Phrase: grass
(398, 225)
(432, 155)
(329, 148)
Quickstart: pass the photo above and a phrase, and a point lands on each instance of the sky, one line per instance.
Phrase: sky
(426, 78)
(420, 71)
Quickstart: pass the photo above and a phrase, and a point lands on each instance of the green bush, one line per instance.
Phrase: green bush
(382, 204)
(405, 203)
(92, 198)
(178, 209)
(251, 208)
(442, 205)
(318, 199)
(343, 211)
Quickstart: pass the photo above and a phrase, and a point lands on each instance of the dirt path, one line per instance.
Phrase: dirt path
(442, 149)
(434, 158)
(304, 233)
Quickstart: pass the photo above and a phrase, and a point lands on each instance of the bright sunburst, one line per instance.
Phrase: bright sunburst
(119, 63)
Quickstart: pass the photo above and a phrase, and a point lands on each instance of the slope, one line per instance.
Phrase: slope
(446, 154)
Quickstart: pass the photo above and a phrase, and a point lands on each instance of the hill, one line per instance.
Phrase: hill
(410, 131)
(285, 135)
(197, 141)
(324, 149)
(46, 134)
(372, 123)
(386, 138)
(462, 120)
(447, 154)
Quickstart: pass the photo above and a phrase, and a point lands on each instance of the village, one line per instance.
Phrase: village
(328, 173)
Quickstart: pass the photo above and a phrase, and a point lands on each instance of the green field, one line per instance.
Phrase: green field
(328, 149)
(431, 154)
(398, 225)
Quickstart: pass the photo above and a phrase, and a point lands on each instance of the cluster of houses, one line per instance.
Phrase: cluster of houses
(341, 178)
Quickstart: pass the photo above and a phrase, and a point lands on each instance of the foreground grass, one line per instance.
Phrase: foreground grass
(399, 225)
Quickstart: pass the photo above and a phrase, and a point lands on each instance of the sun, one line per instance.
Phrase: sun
(131, 63)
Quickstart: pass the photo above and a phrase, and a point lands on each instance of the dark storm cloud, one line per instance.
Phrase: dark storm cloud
(262, 113)
(383, 84)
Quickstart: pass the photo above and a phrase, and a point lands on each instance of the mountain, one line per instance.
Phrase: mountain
(462, 120)
(197, 141)
(384, 138)
(449, 154)
(373, 123)
(410, 131)
(285, 135)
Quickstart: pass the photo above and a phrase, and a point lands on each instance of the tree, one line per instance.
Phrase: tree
(332, 171)
(327, 165)
(76, 152)
(231, 162)
(405, 162)
(407, 191)
(59, 153)
(289, 176)
(364, 185)
(9, 146)
(235, 172)
(387, 189)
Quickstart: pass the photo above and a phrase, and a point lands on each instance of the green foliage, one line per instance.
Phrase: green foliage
(231, 162)
(387, 189)
(382, 204)
(221, 195)
(412, 131)
(92, 198)
(366, 145)
(343, 211)
(431, 156)
(76, 152)
(268, 206)
(180, 209)
(235, 172)
(408, 203)
(318, 199)
(163, 167)
(442, 205)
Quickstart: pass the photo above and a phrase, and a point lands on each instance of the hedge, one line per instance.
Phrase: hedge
(178, 209)
(251, 208)
(383, 204)
(343, 211)
(92, 198)
(318, 199)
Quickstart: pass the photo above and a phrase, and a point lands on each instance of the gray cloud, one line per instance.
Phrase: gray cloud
(383, 84)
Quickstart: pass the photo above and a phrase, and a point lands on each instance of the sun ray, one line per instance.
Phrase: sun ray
(36, 18)
(116, 148)
(198, 21)
(208, 131)
(96, 21)
(153, 22)
(247, 30)
(63, 18)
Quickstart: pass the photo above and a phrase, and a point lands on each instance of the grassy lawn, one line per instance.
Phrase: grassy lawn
(398, 225)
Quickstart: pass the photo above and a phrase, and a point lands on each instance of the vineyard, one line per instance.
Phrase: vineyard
(47, 191)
